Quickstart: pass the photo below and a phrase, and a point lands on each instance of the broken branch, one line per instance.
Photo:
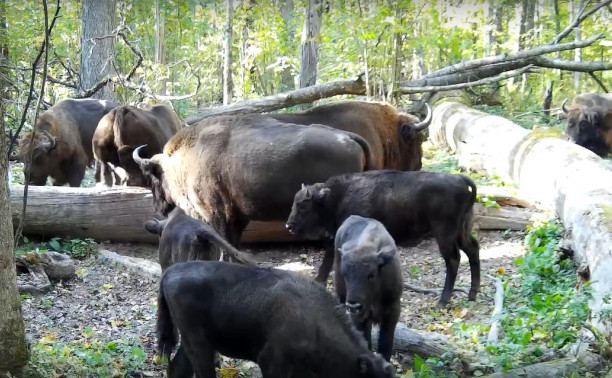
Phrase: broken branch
(493, 335)
(581, 17)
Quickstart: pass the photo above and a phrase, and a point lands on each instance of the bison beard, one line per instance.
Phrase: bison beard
(411, 206)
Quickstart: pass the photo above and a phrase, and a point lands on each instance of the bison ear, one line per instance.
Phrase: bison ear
(386, 255)
(154, 226)
(407, 131)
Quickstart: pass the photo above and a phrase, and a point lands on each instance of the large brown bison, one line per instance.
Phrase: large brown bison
(121, 131)
(229, 170)
(395, 137)
(62, 143)
(589, 122)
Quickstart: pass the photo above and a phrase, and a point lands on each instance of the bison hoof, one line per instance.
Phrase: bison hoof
(472, 295)
(442, 304)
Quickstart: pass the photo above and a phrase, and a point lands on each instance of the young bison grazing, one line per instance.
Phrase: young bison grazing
(369, 278)
(183, 238)
(411, 206)
(284, 321)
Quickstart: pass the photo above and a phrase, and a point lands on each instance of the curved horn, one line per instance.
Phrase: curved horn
(563, 106)
(420, 126)
(143, 163)
(52, 139)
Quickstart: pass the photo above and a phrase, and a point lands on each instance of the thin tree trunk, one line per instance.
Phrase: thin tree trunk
(310, 44)
(578, 38)
(13, 345)
(160, 41)
(526, 30)
(97, 44)
(228, 90)
(499, 27)
(287, 81)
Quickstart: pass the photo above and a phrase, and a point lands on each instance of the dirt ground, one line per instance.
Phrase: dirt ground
(118, 304)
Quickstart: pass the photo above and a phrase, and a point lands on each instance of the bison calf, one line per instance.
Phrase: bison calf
(284, 321)
(411, 206)
(369, 278)
(183, 238)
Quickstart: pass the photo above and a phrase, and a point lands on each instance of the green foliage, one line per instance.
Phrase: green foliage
(544, 307)
(87, 357)
(75, 248)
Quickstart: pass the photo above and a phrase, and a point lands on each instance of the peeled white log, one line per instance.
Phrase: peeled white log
(558, 174)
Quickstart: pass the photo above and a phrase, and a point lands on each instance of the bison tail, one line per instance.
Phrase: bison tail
(370, 164)
(119, 115)
(466, 240)
(237, 256)
(166, 331)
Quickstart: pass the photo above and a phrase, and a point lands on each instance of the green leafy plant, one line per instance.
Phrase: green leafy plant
(76, 248)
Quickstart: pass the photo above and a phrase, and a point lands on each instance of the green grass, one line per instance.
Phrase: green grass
(75, 248)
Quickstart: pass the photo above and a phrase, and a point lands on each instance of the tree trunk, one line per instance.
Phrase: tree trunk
(553, 171)
(13, 346)
(310, 44)
(287, 81)
(97, 44)
(228, 90)
(118, 214)
(578, 37)
(160, 41)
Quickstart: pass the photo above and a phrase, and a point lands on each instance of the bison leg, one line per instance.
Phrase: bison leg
(327, 264)
(106, 174)
(201, 354)
(365, 327)
(450, 253)
(180, 366)
(472, 250)
(272, 363)
(76, 172)
(387, 332)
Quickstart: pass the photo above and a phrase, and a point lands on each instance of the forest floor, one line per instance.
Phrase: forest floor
(110, 305)
(102, 322)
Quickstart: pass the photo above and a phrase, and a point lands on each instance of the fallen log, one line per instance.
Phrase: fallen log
(558, 174)
(43, 268)
(117, 214)
(285, 100)
(425, 344)
(585, 362)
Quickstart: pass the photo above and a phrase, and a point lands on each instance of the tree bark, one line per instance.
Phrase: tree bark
(559, 174)
(118, 214)
(97, 44)
(287, 81)
(228, 90)
(13, 345)
(310, 44)
(578, 37)
(160, 41)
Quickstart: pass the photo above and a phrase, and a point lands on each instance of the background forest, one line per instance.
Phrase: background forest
(182, 45)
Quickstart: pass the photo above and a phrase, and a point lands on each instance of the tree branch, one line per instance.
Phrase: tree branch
(34, 64)
(490, 80)
(284, 100)
(505, 58)
(581, 17)
(599, 82)
(570, 65)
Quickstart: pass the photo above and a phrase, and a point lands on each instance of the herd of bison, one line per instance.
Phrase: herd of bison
(346, 173)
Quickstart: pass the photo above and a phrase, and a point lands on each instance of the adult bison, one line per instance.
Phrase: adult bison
(394, 137)
(121, 131)
(61, 146)
(589, 122)
(229, 170)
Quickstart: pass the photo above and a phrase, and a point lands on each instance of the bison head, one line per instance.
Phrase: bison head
(410, 129)
(41, 147)
(360, 268)
(309, 216)
(373, 366)
(154, 175)
(589, 127)
(126, 161)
